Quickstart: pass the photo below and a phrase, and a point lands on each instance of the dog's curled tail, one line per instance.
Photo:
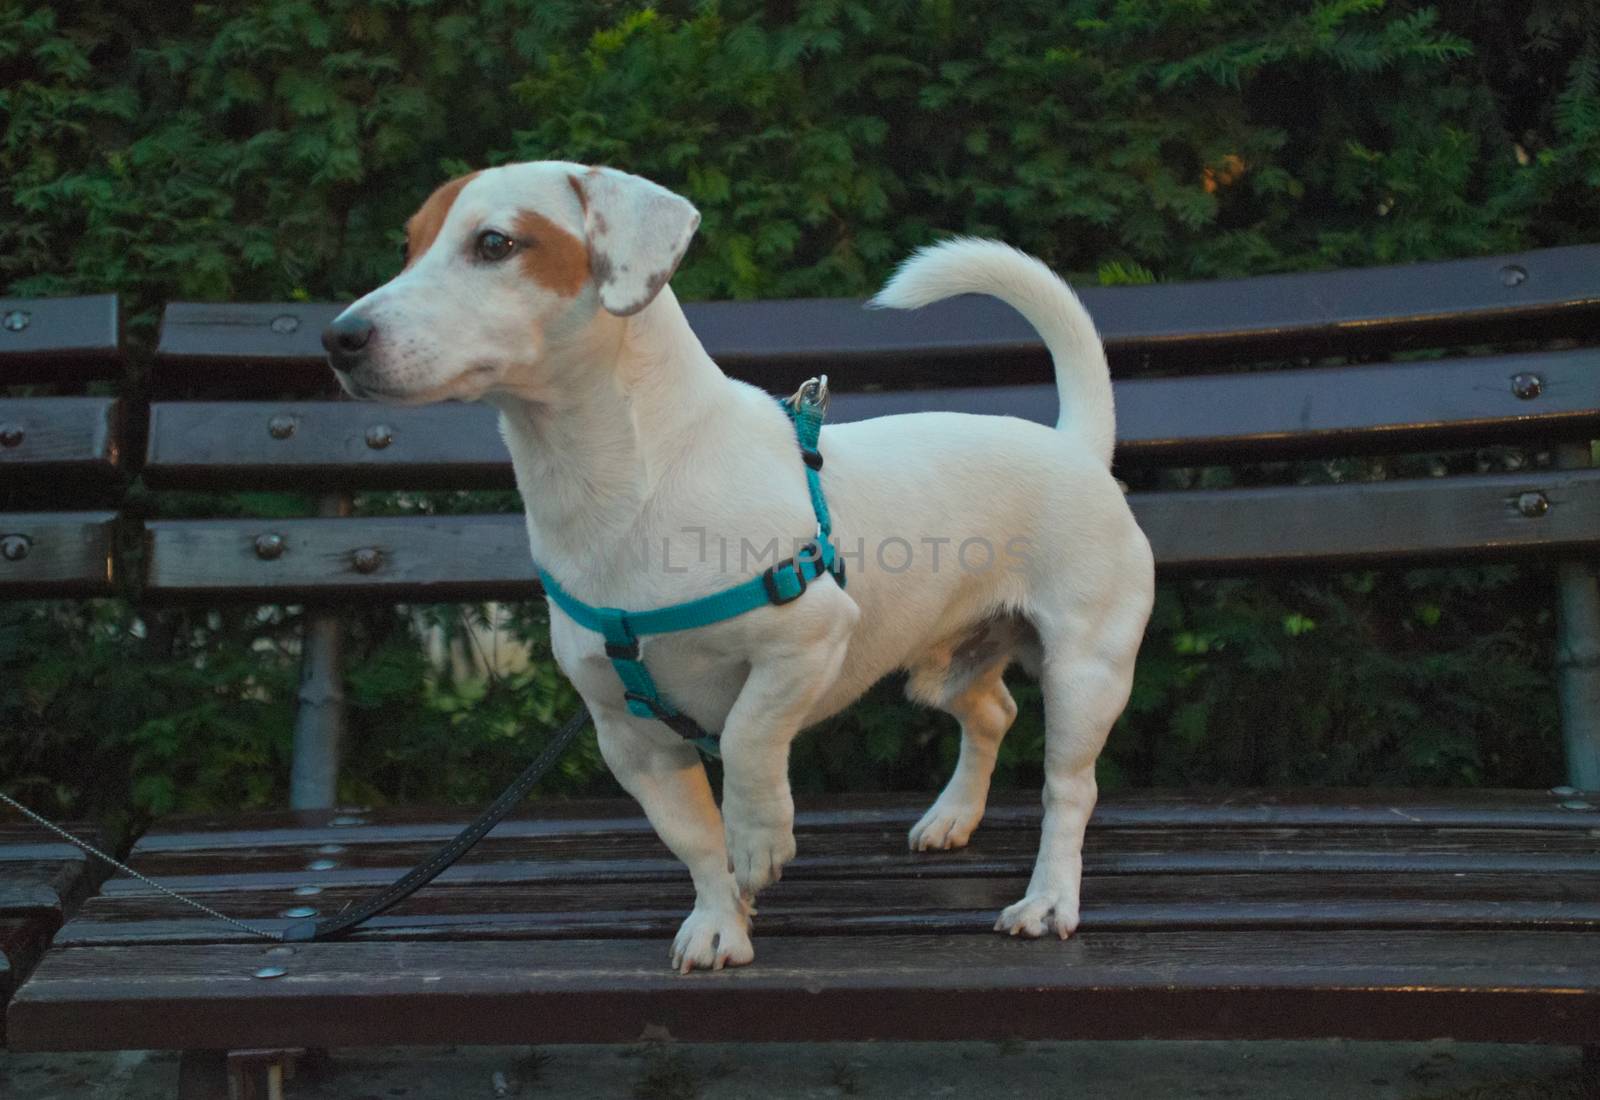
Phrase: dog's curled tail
(969, 265)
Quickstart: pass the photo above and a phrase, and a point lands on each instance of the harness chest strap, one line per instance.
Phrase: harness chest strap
(782, 583)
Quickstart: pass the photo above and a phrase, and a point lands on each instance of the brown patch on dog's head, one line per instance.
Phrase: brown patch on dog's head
(424, 226)
(551, 256)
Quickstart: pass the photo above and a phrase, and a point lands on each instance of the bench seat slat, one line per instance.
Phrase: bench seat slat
(467, 557)
(61, 437)
(1403, 898)
(1150, 808)
(230, 444)
(65, 554)
(22, 942)
(1422, 919)
(862, 877)
(1517, 986)
(872, 850)
(52, 886)
(42, 882)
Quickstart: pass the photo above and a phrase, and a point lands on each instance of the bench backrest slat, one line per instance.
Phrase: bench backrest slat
(484, 556)
(56, 554)
(1315, 313)
(1217, 418)
(294, 444)
(56, 340)
(49, 438)
(934, 358)
(276, 348)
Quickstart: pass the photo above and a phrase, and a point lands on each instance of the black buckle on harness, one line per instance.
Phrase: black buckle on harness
(680, 724)
(811, 458)
(809, 555)
(625, 651)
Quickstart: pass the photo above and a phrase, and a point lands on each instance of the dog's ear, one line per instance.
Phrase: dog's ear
(637, 231)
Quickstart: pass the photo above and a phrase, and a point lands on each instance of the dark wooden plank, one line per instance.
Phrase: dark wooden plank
(49, 439)
(41, 882)
(423, 558)
(60, 339)
(1161, 809)
(1544, 512)
(53, 554)
(25, 841)
(1300, 314)
(870, 906)
(1529, 986)
(623, 882)
(198, 338)
(213, 444)
(778, 343)
(1228, 418)
(448, 557)
(40, 874)
(1390, 407)
(42, 886)
(295, 444)
(874, 851)
(35, 897)
(22, 943)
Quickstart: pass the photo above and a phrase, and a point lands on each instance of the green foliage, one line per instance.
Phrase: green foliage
(104, 708)
(271, 149)
(1367, 680)
(421, 735)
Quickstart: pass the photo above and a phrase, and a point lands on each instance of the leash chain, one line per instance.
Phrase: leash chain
(125, 869)
(404, 887)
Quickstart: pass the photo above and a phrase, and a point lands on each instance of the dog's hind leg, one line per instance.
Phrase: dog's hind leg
(1086, 676)
(985, 710)
(665, 775)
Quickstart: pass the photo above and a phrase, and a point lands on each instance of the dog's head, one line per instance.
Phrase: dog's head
(503, 267)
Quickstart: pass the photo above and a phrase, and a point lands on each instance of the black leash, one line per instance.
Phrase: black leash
(306, 931)
(419, 876)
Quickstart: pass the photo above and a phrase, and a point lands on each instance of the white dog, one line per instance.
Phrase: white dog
(649, 478)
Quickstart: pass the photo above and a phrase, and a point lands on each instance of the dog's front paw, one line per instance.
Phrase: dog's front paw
(710, 939)
(947, 824)
(757, 849)
(1036, 912)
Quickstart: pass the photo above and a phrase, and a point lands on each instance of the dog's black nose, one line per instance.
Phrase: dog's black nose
(347, 336)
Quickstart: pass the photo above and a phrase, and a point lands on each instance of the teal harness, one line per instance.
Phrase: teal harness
(782, 583)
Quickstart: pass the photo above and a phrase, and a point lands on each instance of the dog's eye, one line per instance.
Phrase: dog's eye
(493, 245)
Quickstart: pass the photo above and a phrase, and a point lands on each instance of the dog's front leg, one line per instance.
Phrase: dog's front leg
(664, 774)
(783, 688)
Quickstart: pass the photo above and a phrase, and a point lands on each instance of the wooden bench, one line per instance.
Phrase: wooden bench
(56, 445)
(1412, 914)
(42, 881)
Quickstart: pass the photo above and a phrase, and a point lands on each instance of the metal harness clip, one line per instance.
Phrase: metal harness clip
(813, 393)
